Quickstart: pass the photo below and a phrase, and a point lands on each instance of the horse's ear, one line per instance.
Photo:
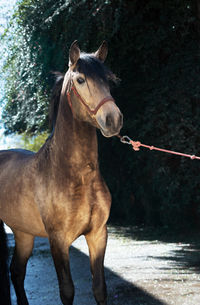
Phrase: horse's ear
(102, 52)
(74, 54)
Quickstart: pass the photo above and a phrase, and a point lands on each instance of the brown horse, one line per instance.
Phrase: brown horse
(59, 192)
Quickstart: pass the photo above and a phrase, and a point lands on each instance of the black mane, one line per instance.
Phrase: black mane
(92, 68)
(55, 99)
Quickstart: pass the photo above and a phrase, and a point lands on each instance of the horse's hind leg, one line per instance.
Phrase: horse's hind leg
(4, 276)
(23, 249)
(97, 240)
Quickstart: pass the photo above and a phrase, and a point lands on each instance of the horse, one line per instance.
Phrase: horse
(58, 192)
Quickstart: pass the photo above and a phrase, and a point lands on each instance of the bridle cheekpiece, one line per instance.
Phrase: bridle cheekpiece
(92, 112)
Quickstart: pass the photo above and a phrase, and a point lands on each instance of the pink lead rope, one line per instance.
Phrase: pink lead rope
(136, 146)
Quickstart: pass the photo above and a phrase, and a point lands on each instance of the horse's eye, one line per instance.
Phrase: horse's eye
(80, 80)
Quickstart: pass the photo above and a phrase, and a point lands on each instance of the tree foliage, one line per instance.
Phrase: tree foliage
(154, 49)
(33, 143)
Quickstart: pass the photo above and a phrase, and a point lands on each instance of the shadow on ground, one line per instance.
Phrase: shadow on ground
(186, 256)
(42, 288)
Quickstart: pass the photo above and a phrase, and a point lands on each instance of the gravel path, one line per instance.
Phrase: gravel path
(139, 271)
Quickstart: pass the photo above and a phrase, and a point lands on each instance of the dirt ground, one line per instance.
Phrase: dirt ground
(140, 270)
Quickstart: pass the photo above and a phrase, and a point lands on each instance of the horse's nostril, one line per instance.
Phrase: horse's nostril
(109, 121)
(114, 123)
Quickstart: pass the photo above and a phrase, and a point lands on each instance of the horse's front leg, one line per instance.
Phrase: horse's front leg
(97, 240)
(60, 254)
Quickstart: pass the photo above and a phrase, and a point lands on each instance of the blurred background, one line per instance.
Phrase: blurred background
(154, 48)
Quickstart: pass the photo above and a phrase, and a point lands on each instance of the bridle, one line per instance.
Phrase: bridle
(92, 112)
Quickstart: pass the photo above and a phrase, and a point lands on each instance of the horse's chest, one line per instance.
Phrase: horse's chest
(73, 208)
(82, 186)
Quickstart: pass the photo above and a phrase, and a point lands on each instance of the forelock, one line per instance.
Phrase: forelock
(93, 68)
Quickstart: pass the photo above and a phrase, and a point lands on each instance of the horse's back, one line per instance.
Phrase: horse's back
(17, 152)
(15, 165)
(15, 156)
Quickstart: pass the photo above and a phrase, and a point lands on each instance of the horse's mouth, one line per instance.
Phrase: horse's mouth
(108, 134)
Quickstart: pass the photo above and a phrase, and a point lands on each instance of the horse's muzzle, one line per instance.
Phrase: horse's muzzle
(111, 124)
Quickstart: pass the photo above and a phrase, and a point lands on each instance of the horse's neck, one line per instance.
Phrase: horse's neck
(74, 143)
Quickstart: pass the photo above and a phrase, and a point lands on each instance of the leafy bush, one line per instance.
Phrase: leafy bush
(33, 143)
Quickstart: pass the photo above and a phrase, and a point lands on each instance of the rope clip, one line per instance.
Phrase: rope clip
(125, 140)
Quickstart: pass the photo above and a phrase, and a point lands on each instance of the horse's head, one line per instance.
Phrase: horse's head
(88, 92)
